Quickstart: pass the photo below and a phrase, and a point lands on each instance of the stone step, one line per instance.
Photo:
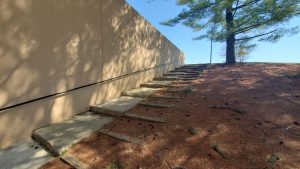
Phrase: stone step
(146, 118)
(166, 97)
(184, 82)
(127, 115)
(185, 71)
(173, 78)
(180, 74)
(166, 78)
(120, 136)
(58, 137)
(27, 154)
(194, 66)
(190, 69)
(141, 92)
(157, 84)
(156, 105)
(116, 106)
(184, 76)
(74, 162)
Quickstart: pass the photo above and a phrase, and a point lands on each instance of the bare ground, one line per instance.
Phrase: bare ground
(233, 117)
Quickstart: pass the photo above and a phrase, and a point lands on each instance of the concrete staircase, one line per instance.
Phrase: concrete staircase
(55, 139)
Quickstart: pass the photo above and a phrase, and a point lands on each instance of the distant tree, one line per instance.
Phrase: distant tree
(242, 51)
(238, 21)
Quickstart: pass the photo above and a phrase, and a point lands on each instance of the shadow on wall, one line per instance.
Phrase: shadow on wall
(132, 44)
(136, 44)
(50, 47)
(46, 47)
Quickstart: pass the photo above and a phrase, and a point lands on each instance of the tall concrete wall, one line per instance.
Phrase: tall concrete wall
(60, 56)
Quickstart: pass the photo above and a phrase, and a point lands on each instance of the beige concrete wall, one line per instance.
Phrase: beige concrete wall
(54, 46)
(136, 44)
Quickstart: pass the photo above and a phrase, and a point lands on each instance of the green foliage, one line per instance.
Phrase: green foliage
(266, 20)
(242, 50)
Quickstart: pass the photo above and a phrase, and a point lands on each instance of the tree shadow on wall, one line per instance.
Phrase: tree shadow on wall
(51, 47)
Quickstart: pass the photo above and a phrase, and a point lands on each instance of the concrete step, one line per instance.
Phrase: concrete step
(141, 92)
(166, 78)
(193, 67)
(24, 155)
(184, 76)
(157, 84)
(116, 107)
(195, 64)
(127, 115)
(120, 136)
(181, 74)
(173, 78)
(185, 71)
(74, 162)
(166, 97)
(199, 70)
(146, 118)
(58, 137)
(156, 105)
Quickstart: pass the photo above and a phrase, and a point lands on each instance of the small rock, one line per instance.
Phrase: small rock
(273, 158)
(296, 123)
(226, 102)
(219, 150)
(238, 111)
(192, 131)
(281, 142)
(258, 125)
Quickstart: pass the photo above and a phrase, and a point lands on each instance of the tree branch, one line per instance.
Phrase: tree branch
(245, 29)
(246, 4)
(256, 36)
(237, 3)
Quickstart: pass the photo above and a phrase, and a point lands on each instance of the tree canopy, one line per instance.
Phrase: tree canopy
(238, 20)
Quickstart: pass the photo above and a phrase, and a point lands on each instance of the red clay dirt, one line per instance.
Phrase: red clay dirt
(232, 117)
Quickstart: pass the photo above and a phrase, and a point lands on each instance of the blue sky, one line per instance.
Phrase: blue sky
(155, 11)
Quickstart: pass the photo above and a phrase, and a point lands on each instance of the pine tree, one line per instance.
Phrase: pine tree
(238, 20)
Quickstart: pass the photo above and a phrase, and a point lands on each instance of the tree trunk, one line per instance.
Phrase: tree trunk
(230, 41)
